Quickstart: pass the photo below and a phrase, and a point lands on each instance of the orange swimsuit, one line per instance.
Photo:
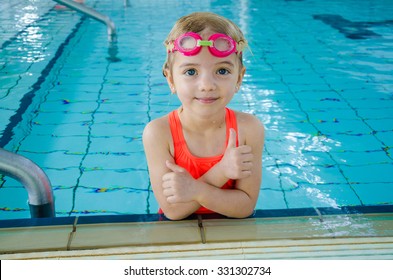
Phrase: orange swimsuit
(197, 166)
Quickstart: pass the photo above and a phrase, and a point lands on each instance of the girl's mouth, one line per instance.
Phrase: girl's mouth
(207, 100)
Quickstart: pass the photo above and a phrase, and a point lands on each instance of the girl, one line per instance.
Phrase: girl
(205, 157)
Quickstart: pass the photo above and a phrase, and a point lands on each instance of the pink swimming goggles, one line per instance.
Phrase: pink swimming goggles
(191, 43)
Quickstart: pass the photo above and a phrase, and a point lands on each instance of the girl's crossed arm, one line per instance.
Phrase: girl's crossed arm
(179, 194)
(156, 141)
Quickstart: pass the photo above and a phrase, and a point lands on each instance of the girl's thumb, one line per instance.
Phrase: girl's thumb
(232, 139)
(174, 167)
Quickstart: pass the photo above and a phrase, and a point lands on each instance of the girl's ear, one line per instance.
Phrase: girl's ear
(169, 78)
(241, 74)
(240, 78)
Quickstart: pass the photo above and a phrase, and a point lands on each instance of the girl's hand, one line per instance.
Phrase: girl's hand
(237, 161)
(179, 185)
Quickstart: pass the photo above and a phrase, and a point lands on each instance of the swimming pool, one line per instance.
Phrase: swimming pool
(319, 75)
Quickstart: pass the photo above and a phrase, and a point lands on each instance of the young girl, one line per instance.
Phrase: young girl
(205, 157)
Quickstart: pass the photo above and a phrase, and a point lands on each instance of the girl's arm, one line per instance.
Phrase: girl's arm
(180, 187)
(156, 140)
(235, 164)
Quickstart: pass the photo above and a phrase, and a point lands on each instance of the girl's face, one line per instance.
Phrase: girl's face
(204, 83)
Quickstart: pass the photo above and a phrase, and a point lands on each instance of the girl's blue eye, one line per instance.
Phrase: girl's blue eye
(190, 72)
(223, 71)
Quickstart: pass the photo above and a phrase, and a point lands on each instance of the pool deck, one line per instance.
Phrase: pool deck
(322, 236)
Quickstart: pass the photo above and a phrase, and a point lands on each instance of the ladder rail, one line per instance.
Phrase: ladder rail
(34, 180)
(111, 29)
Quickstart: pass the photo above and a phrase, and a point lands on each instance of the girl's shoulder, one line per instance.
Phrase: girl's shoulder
(247, 120)
(157, 136)
(249, 126)
(157, 128)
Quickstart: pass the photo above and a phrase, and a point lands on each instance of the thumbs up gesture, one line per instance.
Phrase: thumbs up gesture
(237, 161)
(178, 185)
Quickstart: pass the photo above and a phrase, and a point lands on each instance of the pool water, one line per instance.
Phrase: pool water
(319, 76)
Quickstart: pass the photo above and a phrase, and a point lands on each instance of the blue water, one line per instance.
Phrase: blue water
(319, 75)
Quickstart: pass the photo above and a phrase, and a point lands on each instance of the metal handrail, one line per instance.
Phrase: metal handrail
(112, 35)
(34, 180)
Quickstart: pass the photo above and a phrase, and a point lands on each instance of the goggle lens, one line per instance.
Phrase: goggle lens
(187, 43)
(223, 44)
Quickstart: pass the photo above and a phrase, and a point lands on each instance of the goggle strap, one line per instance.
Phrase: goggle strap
(170, 47)
(240, 46)
(204, 43)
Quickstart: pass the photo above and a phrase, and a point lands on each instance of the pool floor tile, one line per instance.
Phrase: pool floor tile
(375, 193)
(371, 173)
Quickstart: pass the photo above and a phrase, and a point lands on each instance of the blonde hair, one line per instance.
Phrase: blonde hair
(199, 21)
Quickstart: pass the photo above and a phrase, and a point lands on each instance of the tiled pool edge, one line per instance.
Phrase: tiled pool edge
(208, 237)
(343, 248)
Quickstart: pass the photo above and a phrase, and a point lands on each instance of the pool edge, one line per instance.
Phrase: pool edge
(365, 236)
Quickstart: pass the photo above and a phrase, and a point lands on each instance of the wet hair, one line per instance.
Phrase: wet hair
(199, 21)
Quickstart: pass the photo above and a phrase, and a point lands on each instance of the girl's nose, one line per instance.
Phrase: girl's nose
(207, 83)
